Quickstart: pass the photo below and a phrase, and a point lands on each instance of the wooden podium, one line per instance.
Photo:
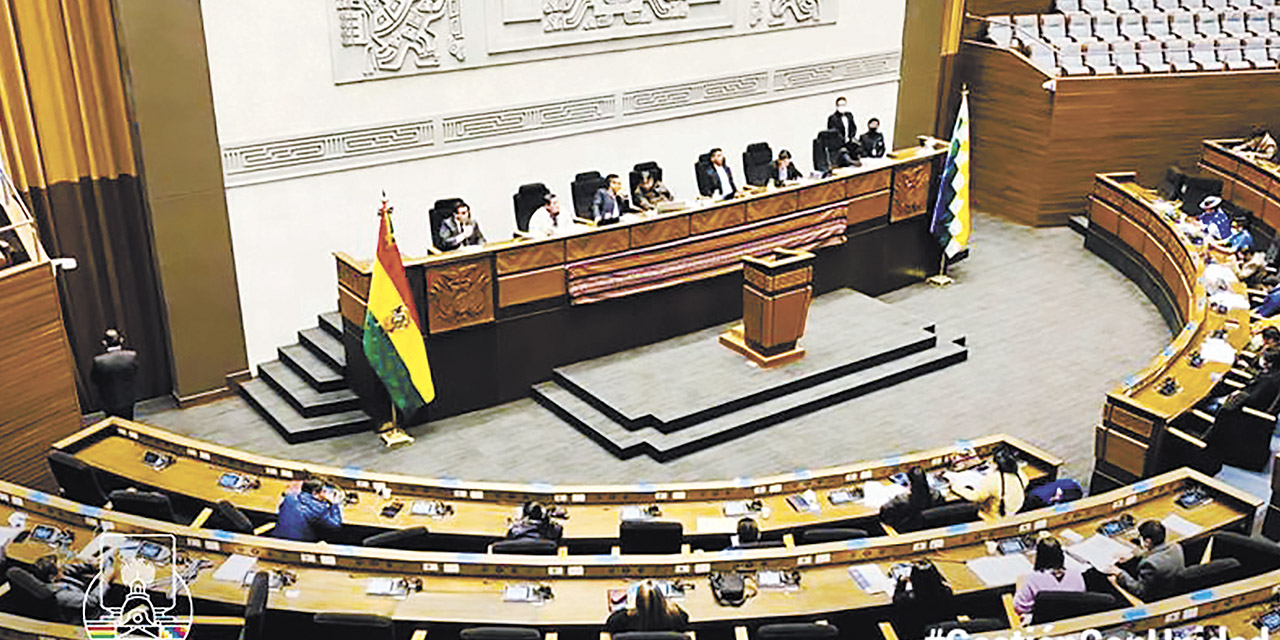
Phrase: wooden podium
(776, 291)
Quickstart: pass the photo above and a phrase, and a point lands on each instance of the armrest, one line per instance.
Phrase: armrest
(1132, 599)
(1232, 383)
(587, 221)
(1258, 414)
(686, 549)
(1203, 416)
(419, 634)
(525, 235)
(550, 635)
(739, 632)
(888, 530)
(963, 618)
(1208, 552)
(1015, 620)
(264, 528)
(562, 552)
(202, 518)
(434, 251)
(886, 630)
(789, 541)
(615, 551)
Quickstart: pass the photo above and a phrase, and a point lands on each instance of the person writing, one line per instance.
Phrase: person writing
(610, 201)
(921, 596)
(308, 513)
(460, 230)
(1001, 492)
(1158, 565)
(902, 512)
(783, 170)
(650, 611)
(871, 143)
(1050, 574)
(650, 192)
(547, 221)
(717, 180)
(535, 524)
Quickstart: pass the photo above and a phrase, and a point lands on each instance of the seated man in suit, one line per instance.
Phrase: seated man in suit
(535, 524)
(871, 143)
(650, 192)
(70, 585)
(783, 170)
(610, 202)
(309, 513)
(843, 122)
(460, 230)
(547, 221)
(718, 180)
(1158, 566)
(113, 374)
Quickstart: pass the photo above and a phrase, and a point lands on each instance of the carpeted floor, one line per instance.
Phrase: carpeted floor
(1050, 329)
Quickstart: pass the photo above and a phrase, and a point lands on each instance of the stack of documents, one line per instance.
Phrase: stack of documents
(871, 578)
(1000, 570)
(235, 568)
(1099, 551)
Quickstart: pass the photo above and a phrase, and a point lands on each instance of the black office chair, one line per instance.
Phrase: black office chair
(701, 169)
(1257, 555)
(826, 151)
(583, 189)
(1051, 606)
(797, 631)
(410, 539)
(343, 626)
(439, 211)
(228, 518)
(1172, 185)
(147, 504)
(77, 480)
(1209, 574)
(650, 536)
(31, 596)
(255, 607)
(500, 633)
(755, 163)
(762, 544)
(651, 167)
(525, 547)
(972, 626)
(948, 514)
(1195, 190)
(526, 201)
(814, 536)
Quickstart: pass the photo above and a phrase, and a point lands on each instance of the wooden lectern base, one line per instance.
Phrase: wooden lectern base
(734, 340)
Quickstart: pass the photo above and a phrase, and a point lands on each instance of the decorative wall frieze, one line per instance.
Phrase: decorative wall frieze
(569, 15)
(293, 157)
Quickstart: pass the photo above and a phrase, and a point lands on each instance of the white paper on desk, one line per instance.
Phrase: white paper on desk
(1181, 526)
(736, 508)
(386, 587)
(1229, 300)
(1000, 570)
(7, 534)
(632, 513)
(1218, 277)
(1099, 551)
(875, 494)
(966, 482)
(233, 569)
(716, 525)
(871, 578)
(1217, 350)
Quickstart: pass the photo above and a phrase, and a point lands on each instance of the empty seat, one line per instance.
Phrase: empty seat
(1043, 56)
(1151, 56)
(755, 163)
(1143, 5)
(1071, 59)
(1208, 23)
(1233, 24)
(500, 633)
(1257, 555)
(1125, 56)
(1053, 28)
(1192, 4)
(410, 539)
(1258, 22)
(1106, 27)
(1209, 574)
(949, 514)
(1051, 606)
(1080, 27)
(1119, 6)
(228, 518)
(77, 480)
(1218, 5)
(1168, 5)
(830, 534)
(1204, 53)
(797, 631)
(147, 504)
(1182, 25)
(1027, 27)
(1131, 27)
(1178, 54)
(1156, 25)
(1000, 30)
(1063, 6)
(1255, 51)
(525, 547)
(255, 607)
(650, 536)
(1097, 56)
(343, 626)
(1093, 6)
(1231, 53)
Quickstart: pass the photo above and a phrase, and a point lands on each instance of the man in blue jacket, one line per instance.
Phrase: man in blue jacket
(307, 515)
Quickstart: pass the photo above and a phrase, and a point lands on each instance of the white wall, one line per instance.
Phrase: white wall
(272, 78)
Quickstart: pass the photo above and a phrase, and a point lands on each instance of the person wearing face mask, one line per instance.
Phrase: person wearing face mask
(872, 142)
(843, 122)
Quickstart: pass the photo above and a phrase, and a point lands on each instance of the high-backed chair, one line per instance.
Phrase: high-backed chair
(1106, 27)
(1233, 24)
(1119, 6)
(796, 631)
(1178, 54)
(1196, 189)
(439, 211)
(829, 534)
(1065, 6)
(228, 518)
(755, 163)
(1209, 574)
(1053, 28)
(650, 536)
(1051, 606)
(650, 166)
(1216, 5)
(1255, 51)
(1256, 555)
(1208, 24)
(1168, 5)
(525, 547)
(526, 200)
(1156, 25)
(1080, 27)
(1143, 5)
(1125, 56)
(1151, 56)
(31, 596)
(1044, 57)
(1231, 53)
(344, 626)
(1000, 30)
(949, 514)
(500, 633)
(700, 169)
(255, 607)
(1258, 22)
(1192, 5)
(148, 504)
(410, 539)
(1093, 6)
(1204, 53)
(1028, 26)
(1131, 27)
(826, 147)
(77, 480)
(1182, 25)
(1071, 59)
(583, 189)
(1097, 55)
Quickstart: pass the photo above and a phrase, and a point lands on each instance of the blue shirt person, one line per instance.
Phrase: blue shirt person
(307, 516)
(1270, 304)
(1240, 239)
(1212, 216)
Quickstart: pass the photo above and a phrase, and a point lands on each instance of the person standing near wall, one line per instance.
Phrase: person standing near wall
(113, 374)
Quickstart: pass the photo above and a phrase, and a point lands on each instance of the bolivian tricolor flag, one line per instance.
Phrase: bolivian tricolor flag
(951, 222)
(393, 341)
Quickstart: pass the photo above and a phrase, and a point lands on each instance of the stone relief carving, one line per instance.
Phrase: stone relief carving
(508, 121)
(399, 35)
(569, 15)
(784, 13)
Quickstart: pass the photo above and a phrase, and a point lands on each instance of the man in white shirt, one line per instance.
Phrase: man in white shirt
(547, 221)
(718, 181)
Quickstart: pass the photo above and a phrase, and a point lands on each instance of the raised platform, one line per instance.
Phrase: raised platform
(675, 397)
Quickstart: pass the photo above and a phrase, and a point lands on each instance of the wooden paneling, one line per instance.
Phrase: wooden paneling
(865, 183)
(769, 206)
(1125, 419)
(596, 244)
(1121, 451)
(40, 405)
(1008, 7)
(351, 307)
(868, 207)
(821, 194)
(530, 286)
(910, 191)
(354, 275)
(460, 294)
(530, 256)
(659, 231)
(717, 218)
(1104, 216)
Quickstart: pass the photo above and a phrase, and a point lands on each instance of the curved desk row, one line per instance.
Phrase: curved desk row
(490, 310)
(1140, 433)
(467, 588)
(482, 510)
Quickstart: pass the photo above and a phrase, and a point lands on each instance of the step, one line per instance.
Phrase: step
(626, 443)
(318, 372)
(293, 426)
(308, 400)
(325, 346)
(332, 323)
(1078, 224)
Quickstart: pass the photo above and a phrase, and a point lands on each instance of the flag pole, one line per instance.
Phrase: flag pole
(392, 435)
